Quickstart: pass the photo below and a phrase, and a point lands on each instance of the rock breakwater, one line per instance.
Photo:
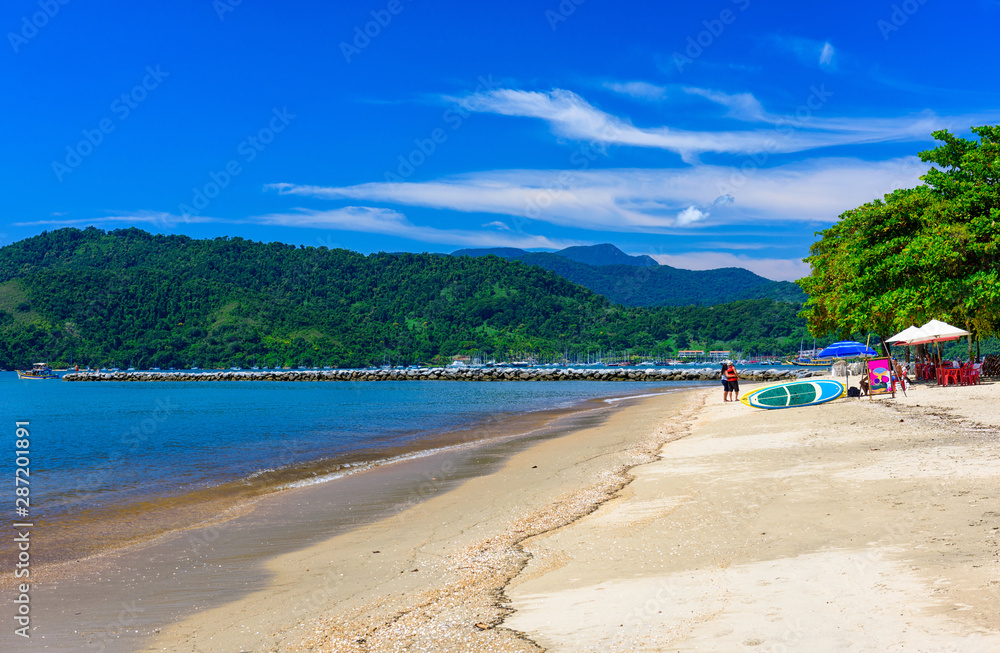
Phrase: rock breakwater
(449, 374)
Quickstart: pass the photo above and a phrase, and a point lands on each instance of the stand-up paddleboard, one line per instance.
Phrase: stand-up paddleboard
(792, 394)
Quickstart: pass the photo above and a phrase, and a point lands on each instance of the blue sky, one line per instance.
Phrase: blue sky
(705, 134)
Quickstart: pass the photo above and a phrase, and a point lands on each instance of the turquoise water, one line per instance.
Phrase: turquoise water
(97, 444)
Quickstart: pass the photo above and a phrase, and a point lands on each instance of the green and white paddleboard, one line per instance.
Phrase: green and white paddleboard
(792, 394)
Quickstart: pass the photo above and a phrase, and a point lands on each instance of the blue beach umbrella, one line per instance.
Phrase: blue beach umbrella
(847, 349)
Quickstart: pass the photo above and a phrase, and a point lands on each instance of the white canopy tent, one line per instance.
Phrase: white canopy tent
(934, 331)
(937, 331)
(908, 336)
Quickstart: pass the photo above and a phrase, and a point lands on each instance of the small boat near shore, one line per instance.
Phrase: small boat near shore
(808, 362)
(38, 372)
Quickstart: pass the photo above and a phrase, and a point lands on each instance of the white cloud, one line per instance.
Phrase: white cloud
(809, 52)
(689, 216)
(638, 90)
(648, 200)
(361, 219)
(826, 54)
(770, 268)
(742, 106)
(392, 223)
(571, 116)
(156, 218)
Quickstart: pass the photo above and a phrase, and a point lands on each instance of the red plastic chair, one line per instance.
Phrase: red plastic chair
(950, 375)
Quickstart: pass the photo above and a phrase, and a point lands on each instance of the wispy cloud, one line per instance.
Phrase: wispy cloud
(387, 222)
(778, 269)
(639, 90)
(742, 106)
(647, 200)
(360, 219)
(826, 54)
(809, 52)
(571, 116)
(155, 218)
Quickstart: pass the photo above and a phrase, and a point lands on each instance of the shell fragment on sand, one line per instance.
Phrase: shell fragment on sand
(793, 394)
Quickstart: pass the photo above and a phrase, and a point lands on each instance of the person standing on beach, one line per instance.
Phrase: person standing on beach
(725, 383)
(730, 377)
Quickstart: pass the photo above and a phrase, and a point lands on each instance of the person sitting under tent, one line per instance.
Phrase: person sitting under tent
(900, 372)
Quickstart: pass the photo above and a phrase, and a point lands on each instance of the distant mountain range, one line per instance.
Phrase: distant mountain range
(599, 255)
(641, 281)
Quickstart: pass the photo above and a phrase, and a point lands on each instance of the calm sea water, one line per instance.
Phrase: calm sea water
(95, 444)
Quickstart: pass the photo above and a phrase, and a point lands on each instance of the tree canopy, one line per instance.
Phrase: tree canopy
(923, 253)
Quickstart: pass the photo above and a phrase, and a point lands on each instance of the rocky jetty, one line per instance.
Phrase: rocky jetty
(451, 374)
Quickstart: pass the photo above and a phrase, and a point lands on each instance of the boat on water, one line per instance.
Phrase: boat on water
(37, 372)
(807, 357)
(808, 362)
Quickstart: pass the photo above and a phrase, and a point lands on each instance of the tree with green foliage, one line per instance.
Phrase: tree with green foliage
(923, 253)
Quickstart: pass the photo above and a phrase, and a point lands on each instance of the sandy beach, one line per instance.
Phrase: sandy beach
(679, 524)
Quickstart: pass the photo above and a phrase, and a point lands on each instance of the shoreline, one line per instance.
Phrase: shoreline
(446, 559)
(675, 523)
(682, 523)
(88, 593)
(74, 534)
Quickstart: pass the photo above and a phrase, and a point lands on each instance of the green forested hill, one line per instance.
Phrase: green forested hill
(640, 281)
(134, 297)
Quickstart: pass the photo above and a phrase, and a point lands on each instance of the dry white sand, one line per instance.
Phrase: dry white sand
(852, 526)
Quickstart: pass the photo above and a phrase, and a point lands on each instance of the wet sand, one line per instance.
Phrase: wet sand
(114, 599)
(432, 577)
(85, 531)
